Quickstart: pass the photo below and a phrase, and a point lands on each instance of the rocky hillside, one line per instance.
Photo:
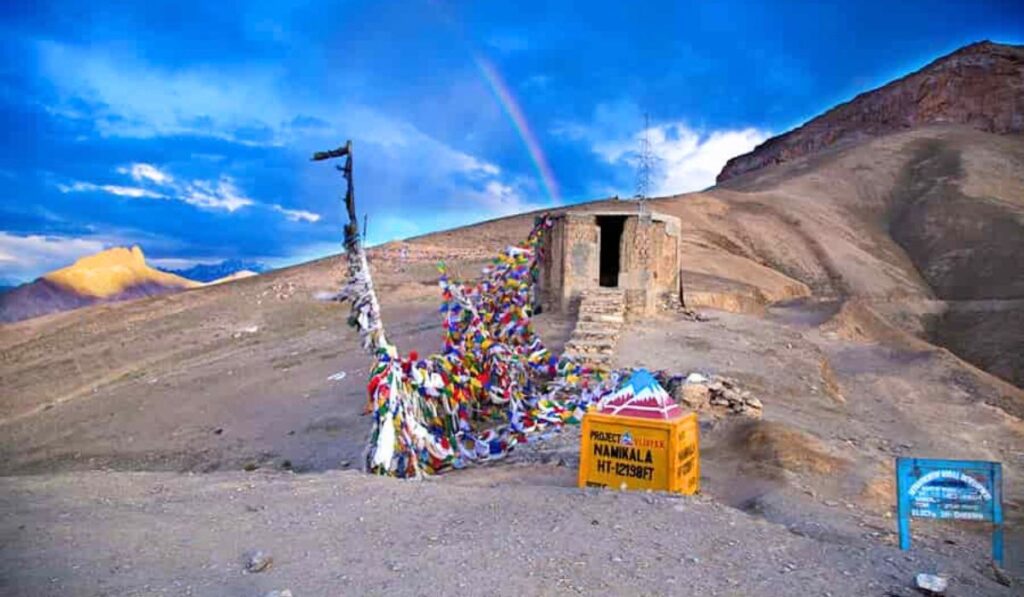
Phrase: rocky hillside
(980, 85)
(111, 275)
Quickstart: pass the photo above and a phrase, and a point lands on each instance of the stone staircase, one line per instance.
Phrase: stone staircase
(598, 325)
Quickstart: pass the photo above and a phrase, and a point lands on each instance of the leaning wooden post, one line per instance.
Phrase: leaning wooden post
(359, 286)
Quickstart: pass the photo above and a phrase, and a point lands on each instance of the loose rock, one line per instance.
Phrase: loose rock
(931, 583)
(258, 561)
(696, 378)
(695, 395)
(1001, 577)
(726, 392)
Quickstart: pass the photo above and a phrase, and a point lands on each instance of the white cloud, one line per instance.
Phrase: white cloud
(685, 159)
(142, 101)
(24, 257)
(497, 199)
(144, 172)
(181, 263)
(120, 191)
(222, 195)
(128, 97)
(297, 215)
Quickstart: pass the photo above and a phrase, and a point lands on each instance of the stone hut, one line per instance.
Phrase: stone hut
(638, 254)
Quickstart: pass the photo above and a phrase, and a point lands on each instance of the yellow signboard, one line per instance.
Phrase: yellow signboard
(639, 453)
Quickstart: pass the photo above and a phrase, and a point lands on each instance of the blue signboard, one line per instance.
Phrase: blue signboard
(950, 490)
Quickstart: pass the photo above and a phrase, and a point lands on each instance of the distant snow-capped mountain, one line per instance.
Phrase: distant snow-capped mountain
(209, 272)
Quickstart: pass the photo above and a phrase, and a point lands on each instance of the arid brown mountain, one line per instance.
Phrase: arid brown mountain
(980, 85)
(112, 275)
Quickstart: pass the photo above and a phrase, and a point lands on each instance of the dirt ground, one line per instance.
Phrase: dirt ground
(344, 533)
(135, 482)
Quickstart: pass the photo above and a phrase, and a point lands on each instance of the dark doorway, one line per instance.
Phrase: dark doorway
(611, 237)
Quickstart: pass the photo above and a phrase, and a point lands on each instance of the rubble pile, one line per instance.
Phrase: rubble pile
(282, 291)
(670, 303)
(715, 394)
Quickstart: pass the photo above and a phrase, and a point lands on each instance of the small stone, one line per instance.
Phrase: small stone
(695, 396)
(1001, 577)
(696, 378)
(258, 561)
(934, 585)
(753, 402)
(732, 396)
(281, 593)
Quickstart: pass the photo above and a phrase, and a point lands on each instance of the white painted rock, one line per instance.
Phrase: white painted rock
(932, 583)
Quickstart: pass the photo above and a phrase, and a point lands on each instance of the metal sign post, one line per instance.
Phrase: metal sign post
(950, 490)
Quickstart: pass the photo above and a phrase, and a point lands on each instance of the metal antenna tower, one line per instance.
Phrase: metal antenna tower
(644, 165)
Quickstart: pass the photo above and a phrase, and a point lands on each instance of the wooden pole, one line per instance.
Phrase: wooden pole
(345, 151)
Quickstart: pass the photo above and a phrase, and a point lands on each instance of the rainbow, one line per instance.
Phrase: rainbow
(511, 107)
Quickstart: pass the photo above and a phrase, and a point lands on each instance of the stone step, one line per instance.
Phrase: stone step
(602, 292)
(589, 350)
(598, 325)
(601, 310)
(588, 354)
(592, 344)
(602, 303)
(592, 361)
(603, 318)
(595, 326)
(593, 341)
(599, 331)
(596, 334)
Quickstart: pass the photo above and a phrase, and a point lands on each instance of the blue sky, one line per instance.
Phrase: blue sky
(187, 127)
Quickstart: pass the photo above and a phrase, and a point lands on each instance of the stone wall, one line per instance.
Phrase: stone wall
(667, 260)
(571, 261)
(649, 261)
(549, 282)
(582, 257)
